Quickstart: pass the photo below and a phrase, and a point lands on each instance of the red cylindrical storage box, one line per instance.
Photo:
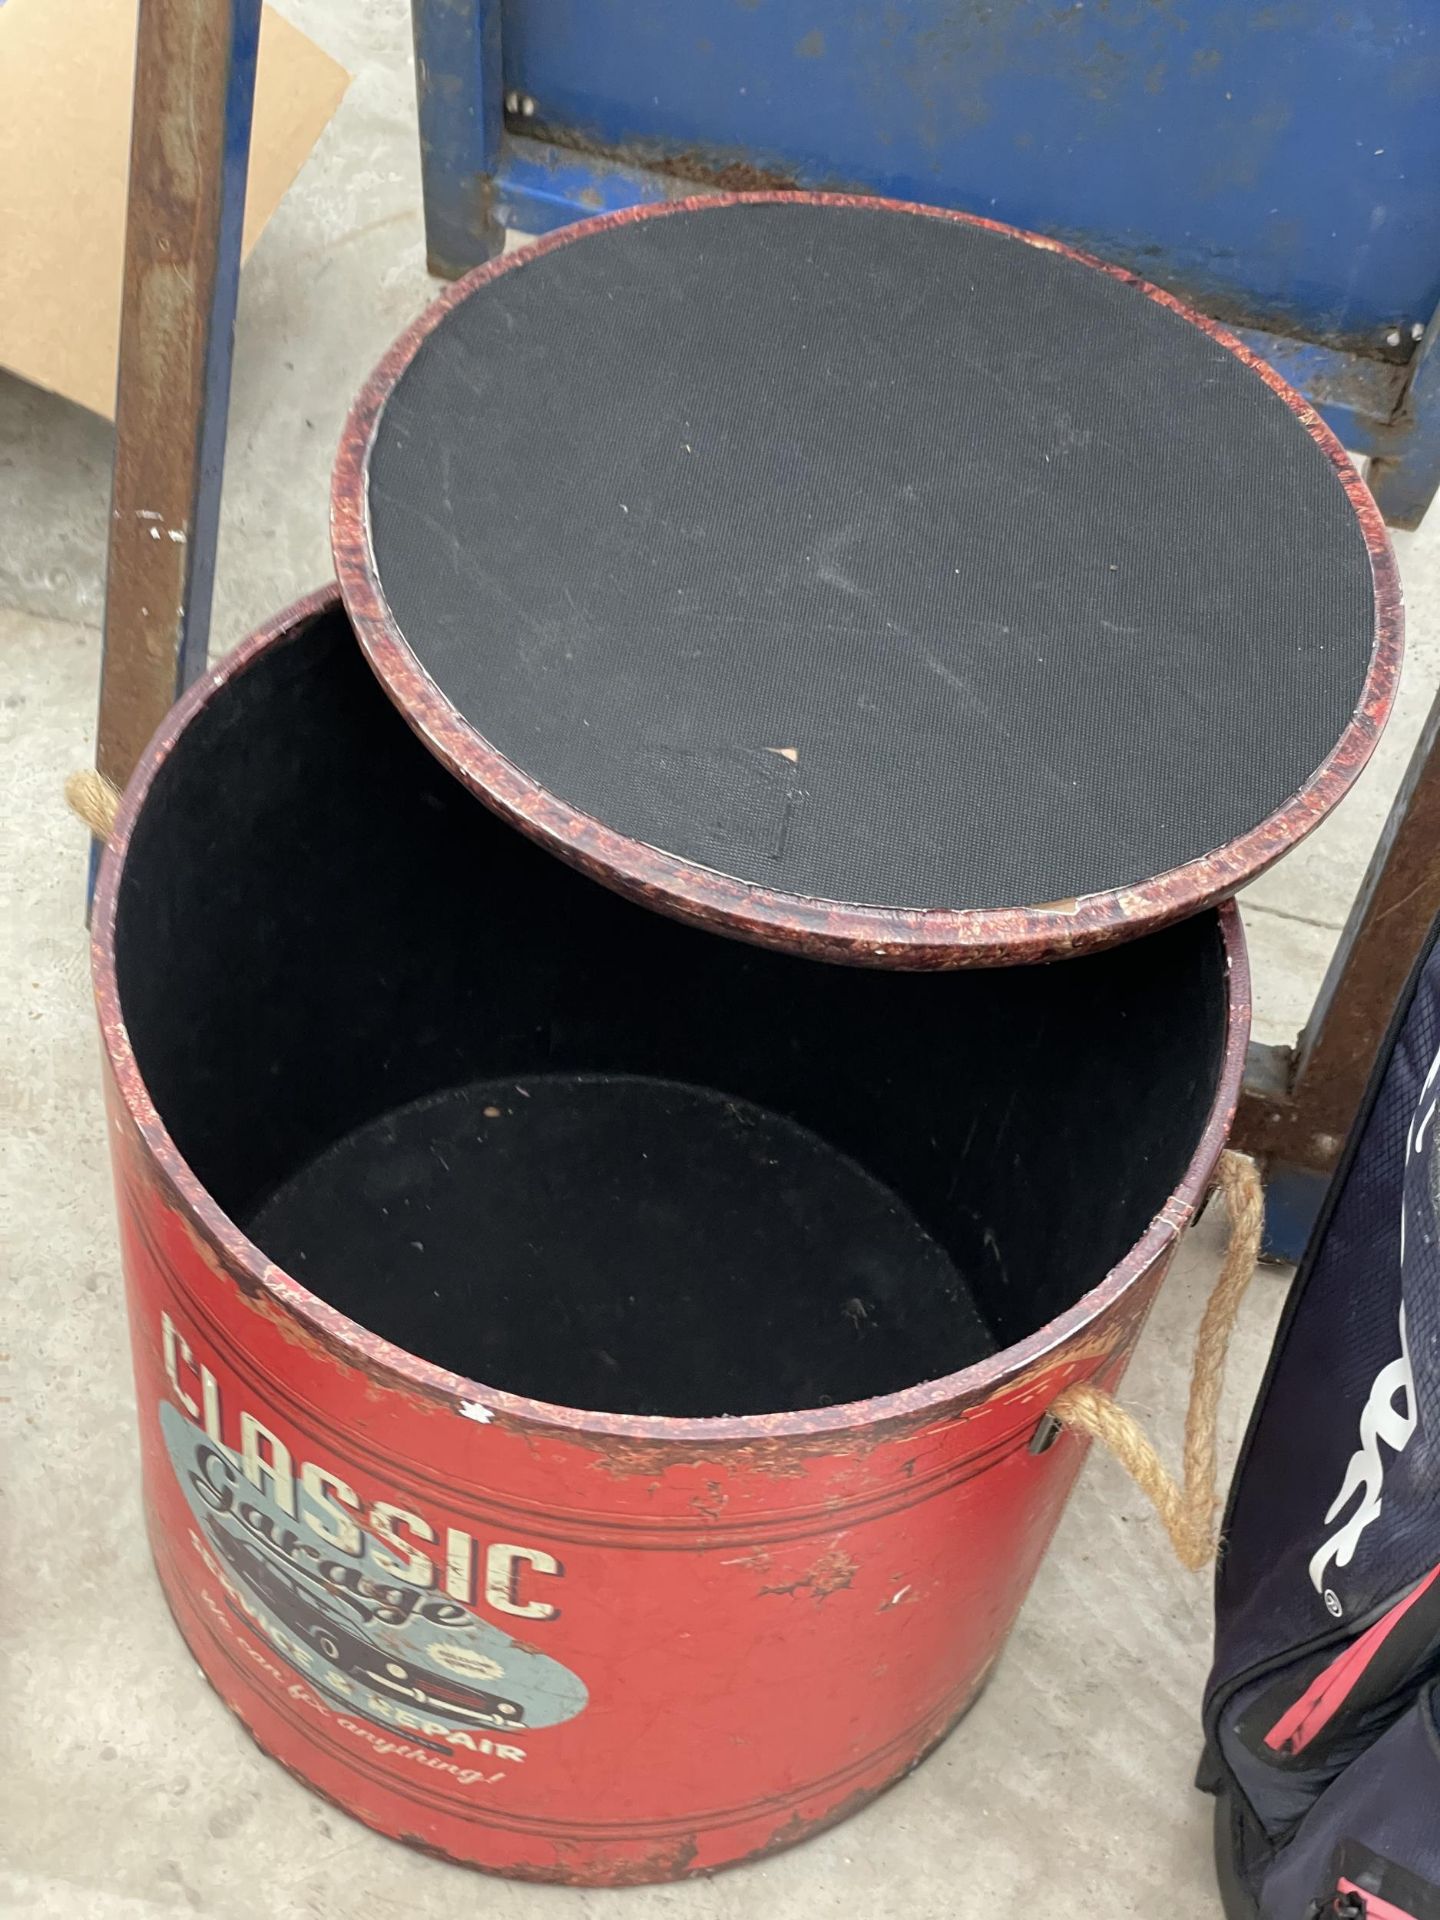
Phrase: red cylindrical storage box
(598, 1646)
(605, 1216)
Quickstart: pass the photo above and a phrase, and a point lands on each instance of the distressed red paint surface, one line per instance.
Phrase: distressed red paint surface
(775, 1616)
(827, 929)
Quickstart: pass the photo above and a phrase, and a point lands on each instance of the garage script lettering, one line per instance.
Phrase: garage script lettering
(402, 1546)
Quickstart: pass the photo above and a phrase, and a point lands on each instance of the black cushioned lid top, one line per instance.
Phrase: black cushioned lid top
(857, 555)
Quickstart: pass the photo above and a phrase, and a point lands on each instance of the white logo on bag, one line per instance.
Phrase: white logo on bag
(1382, 1420)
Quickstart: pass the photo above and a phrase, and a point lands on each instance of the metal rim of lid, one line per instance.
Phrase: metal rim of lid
(921, 938)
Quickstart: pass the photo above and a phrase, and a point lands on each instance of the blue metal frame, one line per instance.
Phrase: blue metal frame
(1281, 161)
(461, 101)
(1293, 1199)
(1407, 465)
(193, 650)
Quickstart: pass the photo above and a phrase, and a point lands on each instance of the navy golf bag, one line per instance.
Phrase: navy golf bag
(1322, 1711)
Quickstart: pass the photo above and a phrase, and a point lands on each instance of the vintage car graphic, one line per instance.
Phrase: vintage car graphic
(395, 1652)
(302, 1611)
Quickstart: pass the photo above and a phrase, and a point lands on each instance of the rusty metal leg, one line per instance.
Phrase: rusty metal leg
(1404, 482)
(189, 151)
(459, 89)
(1297, 1105)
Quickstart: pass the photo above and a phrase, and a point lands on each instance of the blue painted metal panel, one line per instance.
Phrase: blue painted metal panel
(1279, 161)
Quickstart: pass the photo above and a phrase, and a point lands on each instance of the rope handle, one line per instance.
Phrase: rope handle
(1187, 1509)
(91, 796)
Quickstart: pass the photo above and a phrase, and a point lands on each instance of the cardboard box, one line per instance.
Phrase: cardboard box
(66, 75)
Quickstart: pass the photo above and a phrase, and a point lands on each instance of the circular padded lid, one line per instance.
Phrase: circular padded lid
(866, 578)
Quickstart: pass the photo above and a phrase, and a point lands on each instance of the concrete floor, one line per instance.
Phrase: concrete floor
(126, 1788)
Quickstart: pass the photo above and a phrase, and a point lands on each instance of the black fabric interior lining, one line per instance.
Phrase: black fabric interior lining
(625, 1243)
(318, 927)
